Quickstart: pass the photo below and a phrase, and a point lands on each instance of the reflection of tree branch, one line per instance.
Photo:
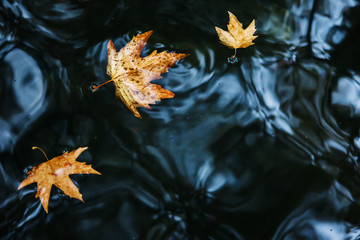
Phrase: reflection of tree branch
(311, 19)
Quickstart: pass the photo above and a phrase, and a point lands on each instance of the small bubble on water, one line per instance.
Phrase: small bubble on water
(232, 59)
(27, 169)
(65, 150)
(93, 87)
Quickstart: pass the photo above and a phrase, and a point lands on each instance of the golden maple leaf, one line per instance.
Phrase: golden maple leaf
(132, 74)
(56, 172)
(236, 36)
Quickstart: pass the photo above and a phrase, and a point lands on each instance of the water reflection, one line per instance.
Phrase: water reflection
(312, 220)
(263, 147)
(24, 95)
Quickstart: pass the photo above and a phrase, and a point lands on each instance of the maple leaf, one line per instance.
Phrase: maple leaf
(237, 37)
(56, 172)
(132, 74)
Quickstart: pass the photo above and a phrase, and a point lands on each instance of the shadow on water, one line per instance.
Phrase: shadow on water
(265, 147)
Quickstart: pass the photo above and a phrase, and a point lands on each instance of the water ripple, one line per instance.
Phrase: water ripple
(263, 147)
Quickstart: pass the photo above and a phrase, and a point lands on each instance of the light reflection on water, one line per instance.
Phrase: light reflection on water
(264, 147)
(24, 95)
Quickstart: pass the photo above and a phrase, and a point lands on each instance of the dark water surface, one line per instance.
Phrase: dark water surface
(263, 148)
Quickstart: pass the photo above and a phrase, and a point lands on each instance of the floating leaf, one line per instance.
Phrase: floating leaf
(237, 37)
(56, 172)
(132, 74)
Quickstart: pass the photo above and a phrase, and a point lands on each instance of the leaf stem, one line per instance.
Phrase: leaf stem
(41, 151)
(94, 87)
(234, 54)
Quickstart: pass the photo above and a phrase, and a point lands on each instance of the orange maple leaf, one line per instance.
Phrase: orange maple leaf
(237, 37)
(56, 172)
(132, 74)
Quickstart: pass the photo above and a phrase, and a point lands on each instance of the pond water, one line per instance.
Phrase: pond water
(265, 147)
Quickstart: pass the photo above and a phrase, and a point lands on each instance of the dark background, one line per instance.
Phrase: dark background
(262, 148)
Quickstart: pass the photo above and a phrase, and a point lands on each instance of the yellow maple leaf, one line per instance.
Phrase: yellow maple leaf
(132, 74)
(56, 172)
(237, 37)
